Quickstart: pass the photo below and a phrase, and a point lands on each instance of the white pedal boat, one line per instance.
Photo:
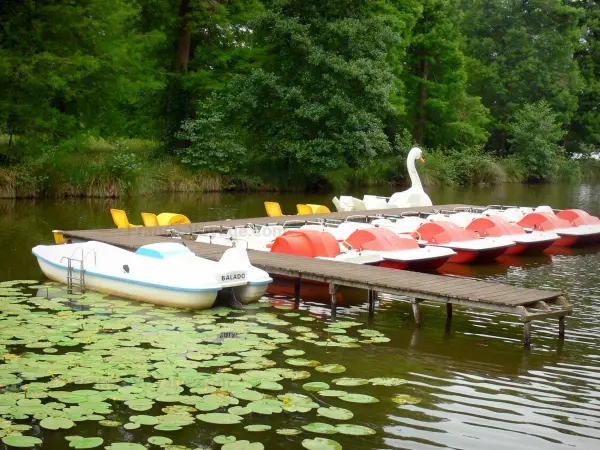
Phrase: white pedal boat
(166, 274)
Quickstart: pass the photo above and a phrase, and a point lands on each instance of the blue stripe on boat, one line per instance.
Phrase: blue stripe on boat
(141, 283)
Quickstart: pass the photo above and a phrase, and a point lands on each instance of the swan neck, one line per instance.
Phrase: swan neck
(413, 174)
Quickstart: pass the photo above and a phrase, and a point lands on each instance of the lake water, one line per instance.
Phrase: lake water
(477, 386)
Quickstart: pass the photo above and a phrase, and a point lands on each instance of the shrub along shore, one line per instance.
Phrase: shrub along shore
(136, 167)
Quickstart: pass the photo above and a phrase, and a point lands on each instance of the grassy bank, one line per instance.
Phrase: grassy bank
(96, 168)
(470, 167)
(100, 169)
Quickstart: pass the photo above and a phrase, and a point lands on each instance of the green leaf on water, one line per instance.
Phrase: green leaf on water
(110, 423)
(335, 413)
(160, 440)
(387, 381)
(220, 418)
(125, 446)
(83, 442)
(288, 431)
(354, 430)
(315, 386)
(257, 427)
(222, 439)
(358, 398)
(302, 362)
(332, 393)
(350, 381)
(402, 399)
(243, 445)
(21, 441)
(321, 444)
(320, 427)
(331, 368)
(292, 352)
(56, 423)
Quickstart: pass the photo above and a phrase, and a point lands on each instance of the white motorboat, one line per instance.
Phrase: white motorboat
(166, 274)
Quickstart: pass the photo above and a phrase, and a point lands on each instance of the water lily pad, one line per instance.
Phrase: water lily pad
(387, 381)
(350, 381)
(132, 426)
(247, 394)
(21, 441)
(270, 386)
(220, 418)
(288, 431)
(243, 445)
(320, 427)
(315, 386)
(144, 420)
(402, 399)
(331, 368)
(332, 393)
(265, 406)
(321, 444)
(110, 423)
(302, 362)
(354, 430)
(335, 413)
(83, 442)
(125, 446)
(358, 398)
(293, 352)
(160, 440)
(257, 427)
(56, 423)
(222, 439)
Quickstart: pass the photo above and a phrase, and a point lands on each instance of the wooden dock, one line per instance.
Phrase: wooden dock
(528, 304)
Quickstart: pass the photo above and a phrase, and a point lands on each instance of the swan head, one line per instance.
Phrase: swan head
(416, 154)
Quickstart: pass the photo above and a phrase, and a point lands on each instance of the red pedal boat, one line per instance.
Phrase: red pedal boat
(399, 252)
(469, 247)
(569, 233)
(532, 243)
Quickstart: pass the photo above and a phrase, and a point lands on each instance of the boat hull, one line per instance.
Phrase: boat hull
(250, 292)
(145, 293)
(424, 265)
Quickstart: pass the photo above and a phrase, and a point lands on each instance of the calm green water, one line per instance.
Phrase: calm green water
(478, 387)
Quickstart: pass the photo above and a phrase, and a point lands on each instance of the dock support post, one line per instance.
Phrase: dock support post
(297, 293)
(527, 335)
(372, 299)
(449, 311)
(417, 314)
(561, 327)
(333, 288)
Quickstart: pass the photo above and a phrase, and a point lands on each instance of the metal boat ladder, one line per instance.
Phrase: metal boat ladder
(74, 279)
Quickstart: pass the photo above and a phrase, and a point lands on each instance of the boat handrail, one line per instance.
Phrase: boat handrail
(91, 250)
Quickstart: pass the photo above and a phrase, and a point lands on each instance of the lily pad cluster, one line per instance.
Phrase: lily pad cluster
(68, 359)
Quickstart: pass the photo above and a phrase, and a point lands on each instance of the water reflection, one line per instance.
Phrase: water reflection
(479, 388)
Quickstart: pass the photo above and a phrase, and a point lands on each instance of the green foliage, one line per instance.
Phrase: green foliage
(65, 66)
(535, 132)
(212, 144)
(319, 101)
(522, 52)
(438, 106)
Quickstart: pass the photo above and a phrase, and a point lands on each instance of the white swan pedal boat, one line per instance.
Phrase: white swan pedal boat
(165, 273)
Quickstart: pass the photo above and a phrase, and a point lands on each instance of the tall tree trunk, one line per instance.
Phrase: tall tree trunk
(420, 132)
(184, 38)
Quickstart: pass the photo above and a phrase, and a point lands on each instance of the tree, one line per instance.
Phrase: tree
(436, 81)
(319, 100)
(535, 132)
(521, 52)
(64, 66)
(585, 128)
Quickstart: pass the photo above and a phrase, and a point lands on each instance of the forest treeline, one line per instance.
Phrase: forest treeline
(294, 93)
